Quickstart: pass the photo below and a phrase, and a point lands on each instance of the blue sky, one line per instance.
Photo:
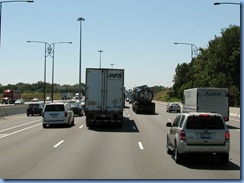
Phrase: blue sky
(135, 35)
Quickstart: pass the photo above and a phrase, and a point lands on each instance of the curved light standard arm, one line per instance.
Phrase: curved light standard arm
(49, 51)
(192, 56)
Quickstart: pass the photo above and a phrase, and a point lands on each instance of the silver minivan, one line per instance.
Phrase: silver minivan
(204, 133)
(57, 113)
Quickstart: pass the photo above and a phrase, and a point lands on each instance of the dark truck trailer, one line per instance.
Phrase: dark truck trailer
(10, 96)
(142, 100)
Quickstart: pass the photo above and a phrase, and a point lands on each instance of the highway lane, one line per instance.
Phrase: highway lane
(135, 151)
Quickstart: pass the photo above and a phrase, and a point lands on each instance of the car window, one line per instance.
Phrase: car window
(204, 122)
(57, 107)
(181, 120)
(34, 105)
(177, 120)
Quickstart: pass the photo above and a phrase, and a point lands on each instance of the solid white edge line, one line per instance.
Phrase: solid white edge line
(140, 145)
(19, 125)
(19, 131)
(58, 143)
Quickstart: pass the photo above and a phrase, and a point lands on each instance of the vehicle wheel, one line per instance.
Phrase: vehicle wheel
(167, 148)
(224, 158)
(27, 114)
(178, 157)
(73, 122)
(44, 126)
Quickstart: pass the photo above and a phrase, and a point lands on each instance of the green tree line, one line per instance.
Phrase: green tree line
(39, 88)
(218, 65)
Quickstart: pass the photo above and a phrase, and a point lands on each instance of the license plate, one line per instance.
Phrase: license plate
(54, 115)
(205, 136)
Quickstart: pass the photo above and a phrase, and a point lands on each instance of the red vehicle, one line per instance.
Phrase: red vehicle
(10, 96)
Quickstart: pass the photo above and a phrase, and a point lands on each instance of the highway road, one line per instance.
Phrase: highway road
(135, 151)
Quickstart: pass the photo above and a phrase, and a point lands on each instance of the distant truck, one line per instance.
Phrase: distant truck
(10, 96)
(104, 98)
(66, 96)
(142, 97)
(214, 100)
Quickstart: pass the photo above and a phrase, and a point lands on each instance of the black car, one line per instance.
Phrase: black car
(34, 108)
(77, 108)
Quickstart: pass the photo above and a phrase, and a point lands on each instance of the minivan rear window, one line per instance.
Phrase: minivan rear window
(56, 107)
(204, 122)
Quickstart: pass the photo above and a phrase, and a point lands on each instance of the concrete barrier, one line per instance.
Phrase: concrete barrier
(235, 111)
(20, 109)
(11, 110)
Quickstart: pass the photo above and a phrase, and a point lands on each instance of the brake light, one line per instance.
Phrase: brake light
(227, 135)
(182, 135)
(204, 115)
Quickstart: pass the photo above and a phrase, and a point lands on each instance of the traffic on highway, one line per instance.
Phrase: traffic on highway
(137, 150)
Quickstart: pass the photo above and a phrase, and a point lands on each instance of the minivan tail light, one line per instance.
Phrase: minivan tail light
(182, 135)
(227, 135)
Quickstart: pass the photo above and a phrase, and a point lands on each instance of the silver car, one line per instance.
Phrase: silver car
(57, 113)
(173, 107)
(204, 133)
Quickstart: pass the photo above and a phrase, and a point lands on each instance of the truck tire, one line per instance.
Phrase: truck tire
(224, 158)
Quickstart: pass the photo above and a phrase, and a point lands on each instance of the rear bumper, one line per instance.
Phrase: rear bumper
(100, 116)
(183, 148)
(55, 122)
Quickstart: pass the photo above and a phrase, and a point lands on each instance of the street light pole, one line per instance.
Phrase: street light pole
(100, 57)
(45, 59)
(49, 51)
(80, 19)
(217, 3)
(192, 55)
(51, 47)
(1, 2)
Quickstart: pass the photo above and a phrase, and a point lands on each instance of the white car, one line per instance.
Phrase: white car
(173, 107)
(57, 113)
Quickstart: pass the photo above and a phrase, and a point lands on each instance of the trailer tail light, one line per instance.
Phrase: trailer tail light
(226, 118)
(182, 135)
(227, 135)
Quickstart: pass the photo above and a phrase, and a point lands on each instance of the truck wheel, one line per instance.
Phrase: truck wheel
(89, 125)
(224, 158)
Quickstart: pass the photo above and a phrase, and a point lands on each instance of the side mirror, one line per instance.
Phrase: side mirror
(169, 124)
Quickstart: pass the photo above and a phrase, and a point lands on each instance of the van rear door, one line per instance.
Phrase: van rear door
(54, 112)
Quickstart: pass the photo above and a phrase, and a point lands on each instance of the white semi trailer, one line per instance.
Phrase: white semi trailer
(104, 100)
(214, 100)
